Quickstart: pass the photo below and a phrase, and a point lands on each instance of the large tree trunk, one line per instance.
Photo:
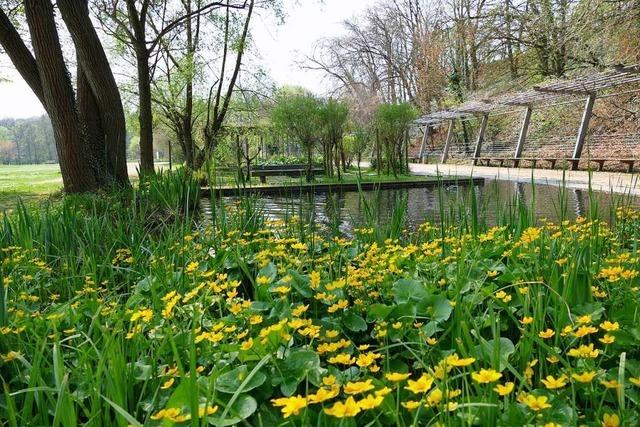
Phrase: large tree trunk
(90, 116)
(95, 67)
(145, 114)
(58, 96)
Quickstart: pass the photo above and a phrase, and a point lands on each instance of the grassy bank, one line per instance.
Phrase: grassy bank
(125, 311)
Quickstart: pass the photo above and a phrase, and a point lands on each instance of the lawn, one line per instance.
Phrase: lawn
(29, 182)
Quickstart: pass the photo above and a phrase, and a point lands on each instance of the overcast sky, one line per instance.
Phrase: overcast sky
(279, 47)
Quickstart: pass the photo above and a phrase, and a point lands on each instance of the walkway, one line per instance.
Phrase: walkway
(623, 183)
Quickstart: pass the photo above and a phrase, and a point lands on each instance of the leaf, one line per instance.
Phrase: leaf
(503, 347)
(378, 311)
(405, 290)
(243, 407)
(435, 306)
(230, 381)
(354, 323)
(301, 284)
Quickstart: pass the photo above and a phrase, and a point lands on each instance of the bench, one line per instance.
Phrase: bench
(283, 170)
(553, 160)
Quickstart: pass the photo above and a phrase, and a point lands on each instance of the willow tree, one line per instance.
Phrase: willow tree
(89, 128)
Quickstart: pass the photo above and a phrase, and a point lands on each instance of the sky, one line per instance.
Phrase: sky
(280, 48)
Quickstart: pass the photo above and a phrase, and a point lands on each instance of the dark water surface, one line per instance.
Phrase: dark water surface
(495, 202)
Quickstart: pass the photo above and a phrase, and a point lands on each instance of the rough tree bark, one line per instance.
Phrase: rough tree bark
(58, 96)
(96, 69)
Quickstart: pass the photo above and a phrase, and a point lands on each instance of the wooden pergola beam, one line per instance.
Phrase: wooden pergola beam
(483, 128)
(573, 92)
(423, 145)
(447, 144)
(583, 129)
(523, 135)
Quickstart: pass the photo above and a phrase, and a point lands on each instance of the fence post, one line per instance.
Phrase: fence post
(447, 144)
(523, 136)
(582, 131)
(483, 128)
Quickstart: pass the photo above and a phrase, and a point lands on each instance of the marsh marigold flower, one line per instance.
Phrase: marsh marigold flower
(485, 376)
(554, 383)
(396, 376)
(610, 420)
(504, 389)
(347, 409)
(290, 405)
(421, 385)
(584, 377)
(358, 387)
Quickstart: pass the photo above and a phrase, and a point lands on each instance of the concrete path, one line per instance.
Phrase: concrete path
(616, 182)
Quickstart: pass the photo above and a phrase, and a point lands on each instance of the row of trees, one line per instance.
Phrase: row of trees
(343, 132)
(426, 52)
(27, 141)
(175, 47)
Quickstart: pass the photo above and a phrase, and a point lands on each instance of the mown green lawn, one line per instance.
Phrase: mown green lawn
(29, 182)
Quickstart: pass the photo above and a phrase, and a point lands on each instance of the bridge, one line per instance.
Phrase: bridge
(572, 151)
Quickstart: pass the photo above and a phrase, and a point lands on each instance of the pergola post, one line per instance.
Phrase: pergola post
(483, 128)
(522, 136)
(447, 144)
(582, 131)
(423, 145)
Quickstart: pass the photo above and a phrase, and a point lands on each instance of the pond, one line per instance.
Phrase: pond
(495, 202)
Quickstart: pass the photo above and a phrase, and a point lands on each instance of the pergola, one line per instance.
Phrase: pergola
(586, 87)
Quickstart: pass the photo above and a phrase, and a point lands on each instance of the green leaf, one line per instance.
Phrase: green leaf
(230, 381)
(437, 307)
(405, 290)
(243, 407)
(354, 323)
(503, 348)
(378, 311)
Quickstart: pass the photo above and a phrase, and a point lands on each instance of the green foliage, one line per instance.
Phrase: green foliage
(297, 114)
(392, 124)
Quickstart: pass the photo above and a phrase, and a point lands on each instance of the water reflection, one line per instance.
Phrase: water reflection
(494, 201)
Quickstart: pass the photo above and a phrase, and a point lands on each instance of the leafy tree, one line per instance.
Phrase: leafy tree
(392, 125)
(297, 114)
(333, 118)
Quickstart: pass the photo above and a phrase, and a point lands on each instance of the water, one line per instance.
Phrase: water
(494, 199)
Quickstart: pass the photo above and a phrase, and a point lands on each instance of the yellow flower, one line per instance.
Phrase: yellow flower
(610, 420)
(411, 404)
(485, 376)
(167, 384)
(548, 333)
(505, 389)
(358, 387)
(421, 385)
(584, 320)
(262, 280)
(554, 383)
(526, 320)
(329, 380)
(342, 359)
(535, 403)
(585, 377)
(246, 345)
(585, 330)
(610, 383)
(454, 360)
(607, 339)
(584, 351)
(343, 410)
(492, 273)
(383, 391)
(290, 405)
(370, 402)
(609, 327)
(635, 381)
(323, 394)
(396, 376)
